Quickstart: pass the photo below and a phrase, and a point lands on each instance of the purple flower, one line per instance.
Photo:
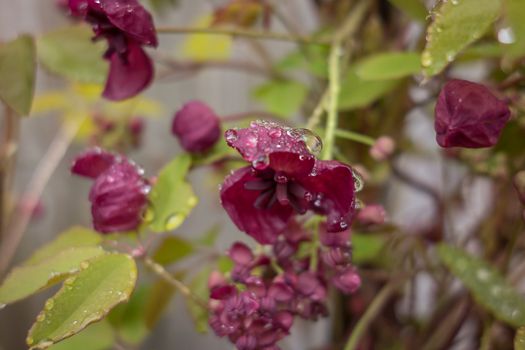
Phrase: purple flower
(284, 179)
(469, 115)
(196, 126)
(118, 195)
(347, 280)
(127, 26)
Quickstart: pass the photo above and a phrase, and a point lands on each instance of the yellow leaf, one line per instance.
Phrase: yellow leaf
(203, 47)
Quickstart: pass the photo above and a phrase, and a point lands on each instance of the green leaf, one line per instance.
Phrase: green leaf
(225, 264)
(161, 294)
(366, 248)
(74, 237)
(17, 73)
(103, 282)
(280, 97)
(71, 53)
(456, 24)
(209, 238)
(128, 319)
(358, 93)
(487, 285)
(172, 249)
(313, 59)
(172, 197)
(413, 8)
(199, 287)
(480, 51)
(97, 336)
(160, 6)
(519, 339)
(26, 280)
(514, 10)
(389, 65)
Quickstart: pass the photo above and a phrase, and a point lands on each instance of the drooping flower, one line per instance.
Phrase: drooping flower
(283, 180)
(196, 126)
(119, 194)
(468, 115)
(126, 26)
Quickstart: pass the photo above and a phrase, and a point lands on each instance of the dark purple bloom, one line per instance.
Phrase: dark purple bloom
(196, 126)
(127, 26)
(469, 115)
(284, 179)
(118, 195)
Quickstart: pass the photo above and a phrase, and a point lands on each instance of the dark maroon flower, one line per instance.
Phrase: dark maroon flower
(469, 115)
(118, 195)
(196, 126)
(284, 179)
(127, 26)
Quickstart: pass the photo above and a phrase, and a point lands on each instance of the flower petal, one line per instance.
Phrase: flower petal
(92, 163)
(129, 75)
(264, 225)
(292, 164)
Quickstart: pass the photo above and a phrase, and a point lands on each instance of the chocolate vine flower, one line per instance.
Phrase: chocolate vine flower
(283, 180)
(127, 26)
(196, 126)
(118, 195)
(469, 115)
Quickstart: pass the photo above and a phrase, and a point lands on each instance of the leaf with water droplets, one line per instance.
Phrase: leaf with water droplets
(455, 25)
(104, 282)
(519, 339)
(389, 65)
(97, 336)
(486, 284)
(73, 237)
(171, 198)
(28, 279)
(17, 73)
(283, 98)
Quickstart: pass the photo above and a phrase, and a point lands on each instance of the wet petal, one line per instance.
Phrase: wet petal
(293, 165)
(92, 163)
(264, 225)
(128, 77)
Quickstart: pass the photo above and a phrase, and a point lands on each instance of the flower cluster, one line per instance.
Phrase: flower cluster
(126, 26)
(284, 179)
(119, 193)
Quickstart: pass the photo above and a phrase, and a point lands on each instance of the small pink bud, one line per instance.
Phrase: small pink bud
(373, 214)
(347, 281)
(383, 148)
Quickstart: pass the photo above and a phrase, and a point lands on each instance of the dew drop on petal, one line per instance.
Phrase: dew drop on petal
(311, 140)
(231, 135)
(261, 163)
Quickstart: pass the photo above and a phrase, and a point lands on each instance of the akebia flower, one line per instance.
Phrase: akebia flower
(126, 26)
(119, 193)
(196, 126)
(468, 115)
(284, 179)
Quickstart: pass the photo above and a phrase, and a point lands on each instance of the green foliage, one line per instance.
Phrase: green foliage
(128, 319)
(172, 197)
(313, 59)
(456, 24)
(358, 93)
(486, 284)
(389, 65)
(199, 287)
(74, 237)
(97, 336)
(103, 282)
(514, 10)
(70, 53)
(519, 339)
(161, 5)
(413, 8)
(366, 248)
(18, 73)
(210, 237)
(28, 279)
(281, 97)
(172, 249)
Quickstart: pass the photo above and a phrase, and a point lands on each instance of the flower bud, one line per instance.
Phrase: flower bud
(373, 214)
(196, 126)
(469, 115)
(347, 281)
(383, 148)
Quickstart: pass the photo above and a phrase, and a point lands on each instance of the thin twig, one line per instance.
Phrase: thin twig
(244, 33)
(35, 188)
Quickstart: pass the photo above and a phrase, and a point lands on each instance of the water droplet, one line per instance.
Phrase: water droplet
(308, 196)
(29, 341)
(70, 281)
(75, 322)
(49, 304)
(343, 224)
(173, 221)
(84, 265)
(426, 59)
(145, 189)
(312, 141)
(506, 36)
(261, 163)
(450, 56)
(231, 135)
(358, 181)
(41, 317)
(275, 133)
(483, 274)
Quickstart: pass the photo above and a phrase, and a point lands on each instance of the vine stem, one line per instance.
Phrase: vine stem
(356, 137)
(371, 313)
(160, 271)
(244, 33)
(43, 172)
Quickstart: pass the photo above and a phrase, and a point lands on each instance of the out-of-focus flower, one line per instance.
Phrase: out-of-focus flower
(119, 194)
(372, 214)
(383, 148)
(126, 26)
(468, 115)
(196, 126)
(347, 281)
(284, 179)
